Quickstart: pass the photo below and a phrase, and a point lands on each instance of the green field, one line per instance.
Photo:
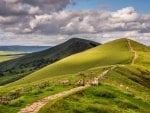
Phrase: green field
(125, 89)
(8, 55)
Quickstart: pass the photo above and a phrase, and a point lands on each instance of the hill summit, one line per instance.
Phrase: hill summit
(17, 68)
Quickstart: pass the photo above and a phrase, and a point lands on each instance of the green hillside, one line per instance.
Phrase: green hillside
(17, 68)
(125, 88)
(115, 52)
(143, 54)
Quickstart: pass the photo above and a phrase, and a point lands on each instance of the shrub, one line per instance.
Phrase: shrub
(105, 94)
(37, 92)
(99, 109)
(126, 105)
(16, 103)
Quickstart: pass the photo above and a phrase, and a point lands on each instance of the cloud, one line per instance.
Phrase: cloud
(17, 14)
(90, 21)
(27, 7)
(46, 18)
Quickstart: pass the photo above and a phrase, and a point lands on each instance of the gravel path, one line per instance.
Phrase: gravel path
(36, 106)
(135, 56)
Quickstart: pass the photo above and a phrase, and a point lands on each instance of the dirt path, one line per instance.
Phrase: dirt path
(36, 106)
(135, 56)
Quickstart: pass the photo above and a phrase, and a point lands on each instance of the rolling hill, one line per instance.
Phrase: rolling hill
(124, 89)
(115, 52)
(15, 69)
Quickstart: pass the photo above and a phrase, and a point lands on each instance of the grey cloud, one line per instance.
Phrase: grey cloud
(31, 7)
(15, 15)
(49, 5)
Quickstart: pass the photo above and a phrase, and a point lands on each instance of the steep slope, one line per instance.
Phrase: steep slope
(125, 89)
(17, 68)
(143, 53)
(115, 52)
(118, 93)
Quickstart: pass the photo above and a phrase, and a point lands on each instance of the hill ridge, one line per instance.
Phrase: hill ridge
(94, 57)
(22, 66)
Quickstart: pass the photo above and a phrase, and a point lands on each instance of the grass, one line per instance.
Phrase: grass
(125, 89)
(20, 67)
(8, 55)
(32, 94)
(112, 96)
(56, 79)
(98, 56)
(5, 58)
(15, 105)
(98, 99)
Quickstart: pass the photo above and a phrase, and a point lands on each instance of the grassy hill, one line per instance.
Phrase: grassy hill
(125, 89)
(116, 94)
(17, 68)
(143, 54)
(115, 52)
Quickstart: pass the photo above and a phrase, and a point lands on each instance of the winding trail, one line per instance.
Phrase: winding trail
(135, 55)
(36, 106)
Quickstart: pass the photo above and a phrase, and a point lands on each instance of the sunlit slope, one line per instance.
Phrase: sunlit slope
(143, 53)
(15, 69)
(124, 90)
(115, 52)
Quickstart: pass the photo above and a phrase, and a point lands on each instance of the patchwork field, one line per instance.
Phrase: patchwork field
(8, 55)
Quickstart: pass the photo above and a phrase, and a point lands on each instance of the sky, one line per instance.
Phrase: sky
(50, 22)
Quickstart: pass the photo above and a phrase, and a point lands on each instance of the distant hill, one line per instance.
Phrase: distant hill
(23, 49)
(17, 68)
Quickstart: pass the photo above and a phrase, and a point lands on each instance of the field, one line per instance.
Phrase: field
(8, 55)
